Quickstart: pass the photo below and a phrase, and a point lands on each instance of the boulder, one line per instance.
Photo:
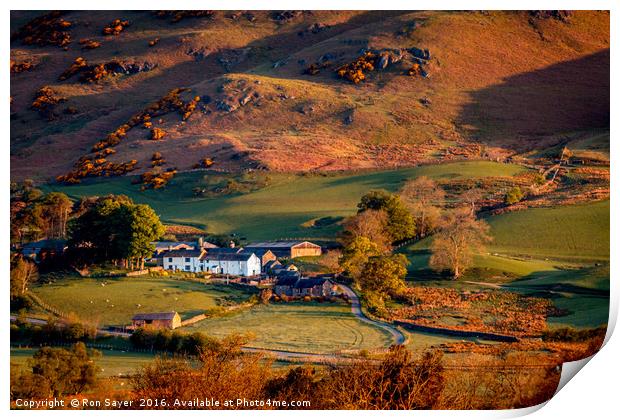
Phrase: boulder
(383, 61)
(245, 99)
(226, 106)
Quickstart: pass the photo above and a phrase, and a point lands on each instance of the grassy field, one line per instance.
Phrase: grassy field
(559, 252)
(280, 209)
(112, 362)
(117, 301)
(304, 327)
(578, 231)
(585, 311)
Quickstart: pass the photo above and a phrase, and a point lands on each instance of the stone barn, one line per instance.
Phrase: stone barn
(296, 286)
(286, 249)
(169, 320)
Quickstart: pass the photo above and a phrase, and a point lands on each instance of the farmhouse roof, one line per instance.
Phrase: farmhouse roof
(208, 245)
(260, 252)
(285, 274)
(180, 253)
(289, 281)
(273, 264)
(154, 316)
(166, 244)
(307, 283)
(278, 244)
(212, 251)
(227, 256)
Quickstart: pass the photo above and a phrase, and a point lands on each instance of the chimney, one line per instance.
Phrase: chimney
(200, 242)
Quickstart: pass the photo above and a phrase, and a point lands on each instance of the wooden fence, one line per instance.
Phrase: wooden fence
(36, 299)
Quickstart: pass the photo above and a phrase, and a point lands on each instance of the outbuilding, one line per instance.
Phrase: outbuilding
(169, 320)
(286, 249)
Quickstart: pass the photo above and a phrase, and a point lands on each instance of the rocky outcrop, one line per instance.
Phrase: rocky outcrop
(315, 28)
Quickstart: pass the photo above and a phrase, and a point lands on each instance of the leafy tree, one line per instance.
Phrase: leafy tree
(55, 372)
(454, 245)
(424, 198)
(514, 195)
(356, 254)
(384, 274)
(115, 229)
(145, 227)
(34, 215)
(401, 224)
(265, 296)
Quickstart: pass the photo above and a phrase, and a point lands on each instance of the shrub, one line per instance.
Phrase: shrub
(115, 27)
(514, 195)
(157, 134)
(49, 29)
(89, 44)
(354, 71)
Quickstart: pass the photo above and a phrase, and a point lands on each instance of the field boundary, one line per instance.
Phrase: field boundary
(457, 333)
(46, 306)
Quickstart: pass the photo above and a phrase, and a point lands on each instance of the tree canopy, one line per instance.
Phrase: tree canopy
(372, 224)
(384, 274)
(35, 215)
(401, 224)
(356, 254)
(424, 199)
(55, 372)
(114, 228)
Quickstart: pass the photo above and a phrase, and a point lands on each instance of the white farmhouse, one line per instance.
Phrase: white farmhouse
(183, 260)
(231, 261)
(236, 264)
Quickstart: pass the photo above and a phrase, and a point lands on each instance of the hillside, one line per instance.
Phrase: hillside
(290, 205)
(489, 85)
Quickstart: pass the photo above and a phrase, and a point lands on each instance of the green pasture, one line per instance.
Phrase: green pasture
(112, 362)
(114, 301)
(578, 231)
(284, 207)
(294, 326)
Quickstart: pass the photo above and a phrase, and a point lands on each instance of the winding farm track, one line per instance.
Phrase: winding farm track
(356, 308)
(294, 356)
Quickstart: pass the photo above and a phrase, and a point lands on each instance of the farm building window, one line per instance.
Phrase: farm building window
(169, 259)
(186, 259)
(187, 268)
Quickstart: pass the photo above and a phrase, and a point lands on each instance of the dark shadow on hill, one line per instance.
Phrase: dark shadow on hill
(568, 96)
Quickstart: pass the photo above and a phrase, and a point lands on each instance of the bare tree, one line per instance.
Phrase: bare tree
(424, 199)
(471, 198)
(23, 273)
(371, 224)
(460, 237)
